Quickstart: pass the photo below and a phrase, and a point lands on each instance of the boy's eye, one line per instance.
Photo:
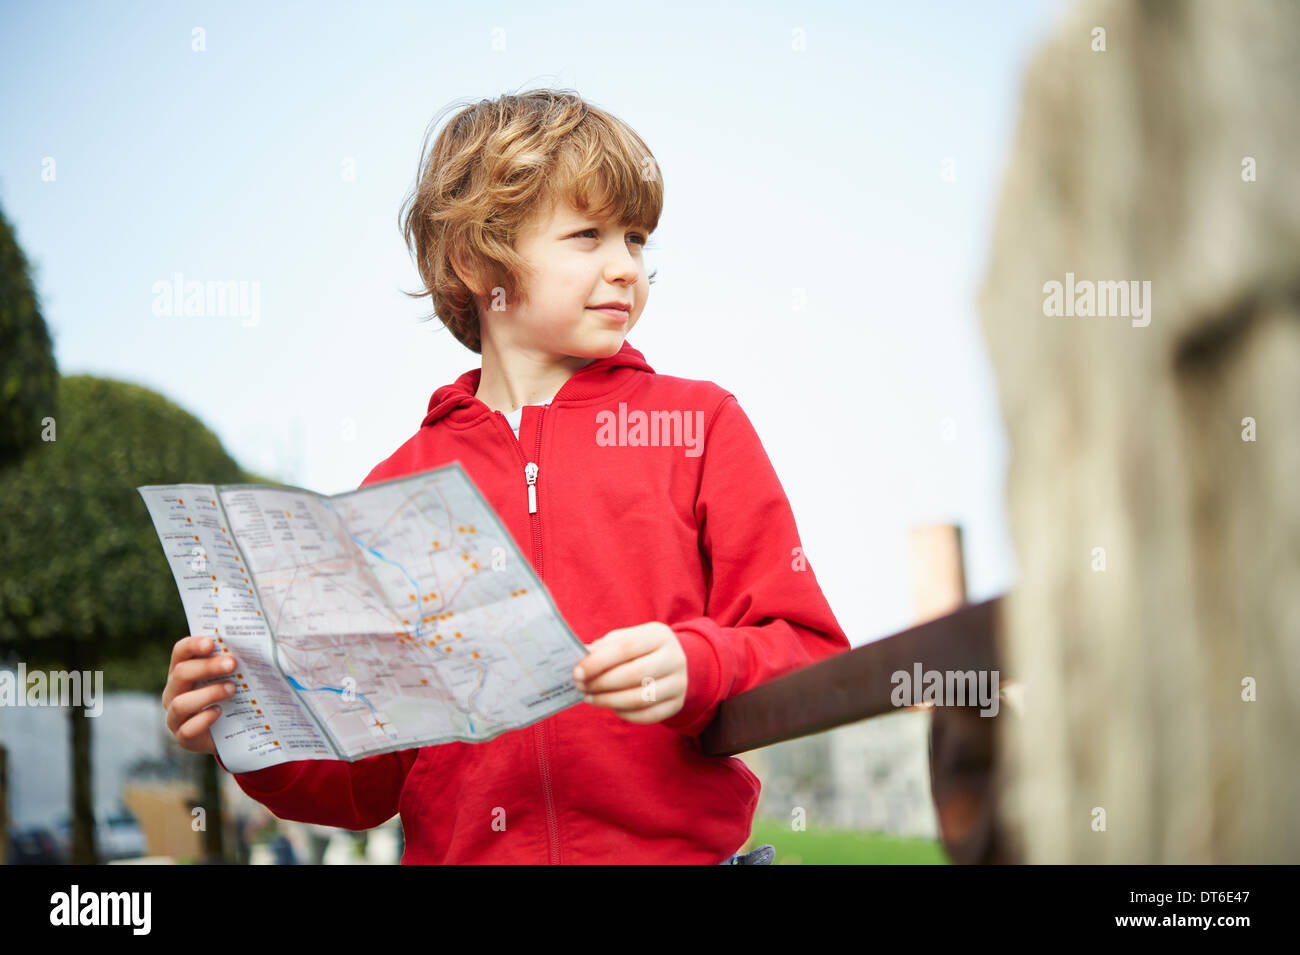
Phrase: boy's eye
(634, 235)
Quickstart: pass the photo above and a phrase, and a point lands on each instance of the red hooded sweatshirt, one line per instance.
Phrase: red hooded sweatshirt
(637, 497)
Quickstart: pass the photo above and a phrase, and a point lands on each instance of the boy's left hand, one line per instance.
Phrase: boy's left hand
(638, 672)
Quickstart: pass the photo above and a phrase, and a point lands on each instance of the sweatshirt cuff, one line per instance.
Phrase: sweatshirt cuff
(703, 677)
(268, 780)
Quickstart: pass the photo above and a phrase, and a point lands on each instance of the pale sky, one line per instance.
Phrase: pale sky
(801, 147)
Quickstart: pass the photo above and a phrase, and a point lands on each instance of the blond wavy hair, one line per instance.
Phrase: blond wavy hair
(497, 164)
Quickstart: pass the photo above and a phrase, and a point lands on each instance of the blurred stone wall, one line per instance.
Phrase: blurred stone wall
(1154, 457)
(873, 775)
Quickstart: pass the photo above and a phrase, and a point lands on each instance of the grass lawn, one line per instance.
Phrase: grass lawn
(818, 846)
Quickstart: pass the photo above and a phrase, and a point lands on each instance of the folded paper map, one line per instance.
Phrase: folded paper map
(395, 616)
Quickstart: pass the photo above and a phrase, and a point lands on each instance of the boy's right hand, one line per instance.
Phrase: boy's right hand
(187, 719)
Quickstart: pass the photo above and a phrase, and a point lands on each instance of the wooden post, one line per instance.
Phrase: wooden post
(938, 570)
(963, 742)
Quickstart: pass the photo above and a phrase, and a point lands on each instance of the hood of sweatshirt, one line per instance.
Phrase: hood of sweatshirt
(457, 402)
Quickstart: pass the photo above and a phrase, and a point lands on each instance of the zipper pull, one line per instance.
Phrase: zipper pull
(530, 472)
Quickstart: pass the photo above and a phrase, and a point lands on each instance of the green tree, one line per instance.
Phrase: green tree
(27, 381)
(84, 583)
(27, 369)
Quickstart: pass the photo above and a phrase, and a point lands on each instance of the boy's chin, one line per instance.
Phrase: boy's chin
(599, 345)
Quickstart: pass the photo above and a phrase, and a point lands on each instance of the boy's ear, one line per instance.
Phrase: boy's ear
(467, 276)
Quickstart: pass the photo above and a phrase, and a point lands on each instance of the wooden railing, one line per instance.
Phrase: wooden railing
(858, 684)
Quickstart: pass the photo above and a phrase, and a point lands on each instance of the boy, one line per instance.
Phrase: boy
(645, 502)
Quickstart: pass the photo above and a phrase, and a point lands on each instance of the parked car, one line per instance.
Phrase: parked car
(33, 845)
(117, 836)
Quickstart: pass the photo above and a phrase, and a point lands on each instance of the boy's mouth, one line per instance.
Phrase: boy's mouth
(614, 312)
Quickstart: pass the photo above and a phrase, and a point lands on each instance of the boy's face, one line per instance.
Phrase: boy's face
(580, 263)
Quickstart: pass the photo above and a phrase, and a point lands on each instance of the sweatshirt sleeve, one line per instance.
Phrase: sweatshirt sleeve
(765, 615)
(333, 792)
